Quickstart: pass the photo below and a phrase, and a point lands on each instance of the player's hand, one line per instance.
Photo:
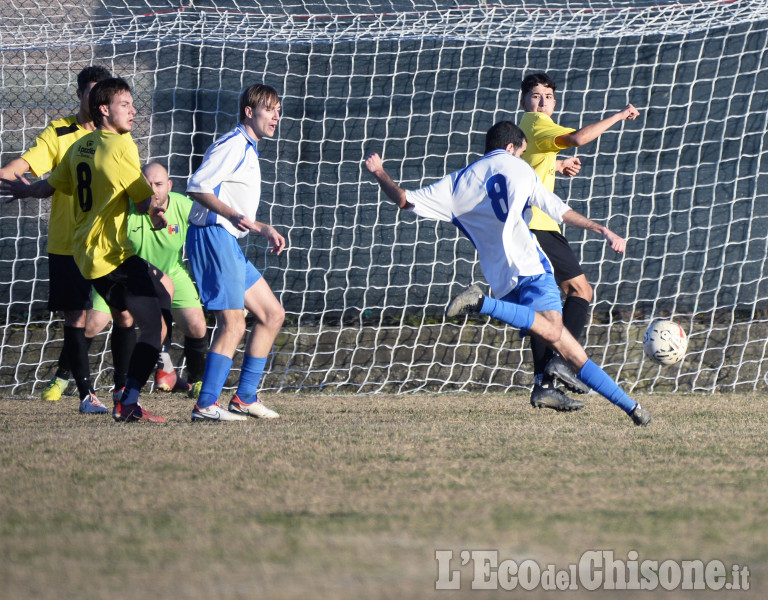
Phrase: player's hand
(157, 216)
(571, 166)
(276, 241)
(243, 223)
(617, 243)
(630, 113)
(373, 163)
(15, 188)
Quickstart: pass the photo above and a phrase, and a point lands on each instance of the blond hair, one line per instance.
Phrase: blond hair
(256, 95)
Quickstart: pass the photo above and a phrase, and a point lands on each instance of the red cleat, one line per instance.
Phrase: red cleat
(134, 412)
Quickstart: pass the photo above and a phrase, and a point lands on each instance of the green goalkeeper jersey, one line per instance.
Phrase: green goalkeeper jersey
(162, 248)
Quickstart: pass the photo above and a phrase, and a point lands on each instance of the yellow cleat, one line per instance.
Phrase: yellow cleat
(53, 391)
(194, 391)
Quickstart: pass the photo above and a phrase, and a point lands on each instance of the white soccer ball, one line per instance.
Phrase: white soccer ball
(665, 342)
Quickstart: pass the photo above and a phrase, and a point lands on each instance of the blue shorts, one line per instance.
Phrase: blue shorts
(222, 272)
(537, 292)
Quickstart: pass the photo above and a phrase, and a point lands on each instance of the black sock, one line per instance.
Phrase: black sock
(541, 354)
(62, 370)
(143, 360)
(123, 343)
(575, 315)
(76, 348)
(195, 350)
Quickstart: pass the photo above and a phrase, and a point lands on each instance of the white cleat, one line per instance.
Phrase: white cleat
(90, 405)
(255, 409)
(214, 412)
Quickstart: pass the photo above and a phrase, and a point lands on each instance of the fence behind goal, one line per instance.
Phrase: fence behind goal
(420, 82)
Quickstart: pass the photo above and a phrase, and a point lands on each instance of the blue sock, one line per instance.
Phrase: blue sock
(250, 377)
(217, 368)
(516, 315)
(602, 383)
(131, 391)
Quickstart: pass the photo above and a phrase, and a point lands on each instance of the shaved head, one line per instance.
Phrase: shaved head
(157, 177)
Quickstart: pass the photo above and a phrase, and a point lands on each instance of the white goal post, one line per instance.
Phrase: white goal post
(420, 82)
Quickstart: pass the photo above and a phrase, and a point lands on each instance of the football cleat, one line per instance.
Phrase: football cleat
(90, 405)
(640, 416)
(194, 390)
(551, 397)
(559, 370)
(469, 301)
(55, 388)
(170, 382)
(165, 382)
(255, 409)
(214, 412)
(134, 413)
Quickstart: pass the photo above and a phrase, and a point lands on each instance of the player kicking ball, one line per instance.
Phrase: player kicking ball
(226, 190)
(490, 201)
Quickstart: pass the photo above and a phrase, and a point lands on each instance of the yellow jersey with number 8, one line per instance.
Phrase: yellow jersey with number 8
(102, 172)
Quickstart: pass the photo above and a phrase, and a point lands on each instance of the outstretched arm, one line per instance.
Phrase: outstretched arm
(617, 243)
(590, 132)
(21, 188)
(14, 169)
(395, 192)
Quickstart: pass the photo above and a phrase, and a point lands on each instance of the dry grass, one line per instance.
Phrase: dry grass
(350, 496)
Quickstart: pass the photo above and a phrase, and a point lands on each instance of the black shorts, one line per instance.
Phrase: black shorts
(564, 262)
(67, 289)
(134, 276)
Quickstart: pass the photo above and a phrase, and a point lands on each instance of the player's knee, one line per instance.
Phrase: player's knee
(579, 287)
(233, 326)
(275, 318)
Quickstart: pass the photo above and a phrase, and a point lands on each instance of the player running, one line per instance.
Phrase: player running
(103, 173)
(545, 138)
(226, 189)
(490, 201)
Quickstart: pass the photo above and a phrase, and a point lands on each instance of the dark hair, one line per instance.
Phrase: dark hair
(531, 81)
(502, 134)
(102, 94)
(256, 95)
(92, 74)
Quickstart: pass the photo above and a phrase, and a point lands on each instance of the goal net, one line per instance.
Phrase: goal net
(365, 287)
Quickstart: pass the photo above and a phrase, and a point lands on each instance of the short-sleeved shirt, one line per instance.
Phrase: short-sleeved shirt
(162, 248)
(541, 153)
(490, 201)
(230, 170)
(49, 149)
(102, 172)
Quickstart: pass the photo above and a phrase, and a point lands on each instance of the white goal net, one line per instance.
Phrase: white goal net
(420, 82)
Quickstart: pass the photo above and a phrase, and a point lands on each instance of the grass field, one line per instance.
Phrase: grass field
(350, 496)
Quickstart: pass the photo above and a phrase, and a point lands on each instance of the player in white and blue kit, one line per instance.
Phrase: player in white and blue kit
(490, 202)
(226, 190)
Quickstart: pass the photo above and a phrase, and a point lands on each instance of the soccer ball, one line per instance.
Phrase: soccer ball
(665, 342)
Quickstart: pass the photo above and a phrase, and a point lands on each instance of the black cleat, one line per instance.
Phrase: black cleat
(640, 416)
(551, 397)
(469, 301)
(559, 370)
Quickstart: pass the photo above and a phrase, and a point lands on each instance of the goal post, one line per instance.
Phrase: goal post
(364, 287)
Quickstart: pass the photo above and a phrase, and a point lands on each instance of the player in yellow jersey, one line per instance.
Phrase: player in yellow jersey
(545, 139)
(163, 249)
(102, 172)
(68, 292)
